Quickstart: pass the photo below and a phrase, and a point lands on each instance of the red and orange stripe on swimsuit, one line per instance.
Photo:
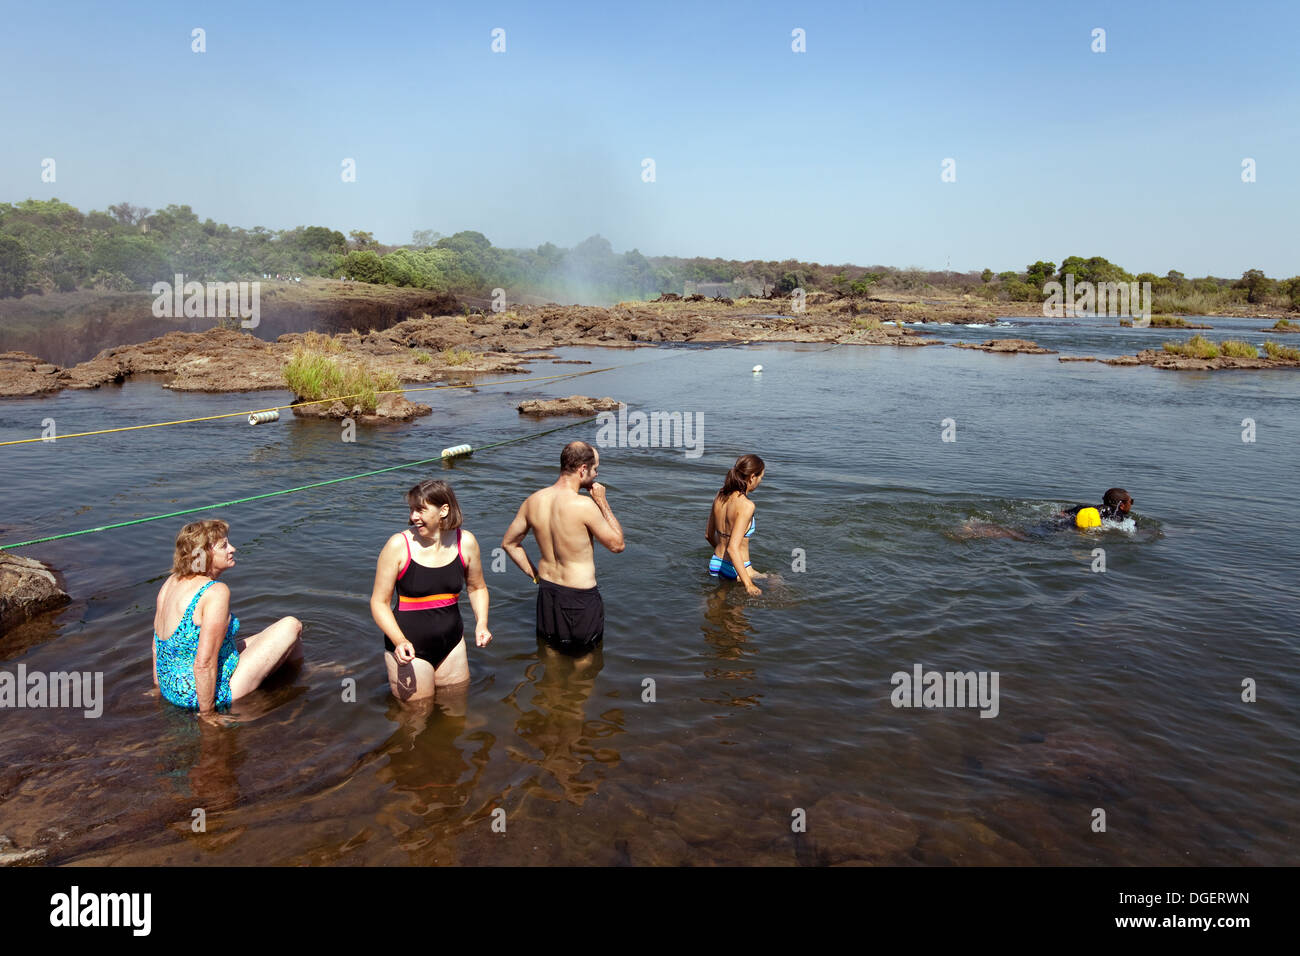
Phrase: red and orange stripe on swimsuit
(425, 603)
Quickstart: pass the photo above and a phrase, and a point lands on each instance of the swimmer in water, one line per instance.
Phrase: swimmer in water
(1115, 505)
(731, 511)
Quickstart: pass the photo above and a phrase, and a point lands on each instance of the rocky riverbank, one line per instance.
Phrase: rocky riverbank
(431, 348)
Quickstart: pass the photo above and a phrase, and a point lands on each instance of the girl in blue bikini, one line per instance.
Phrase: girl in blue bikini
(732, 509)
(200, 664)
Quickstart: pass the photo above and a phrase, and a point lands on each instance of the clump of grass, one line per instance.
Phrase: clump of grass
(1285, 324)
(313, 374)
(456, 355)
(1198, 346)
(1168, 322)
(422, 357)
(1233, 348)
(1281, 352)
(868, 322)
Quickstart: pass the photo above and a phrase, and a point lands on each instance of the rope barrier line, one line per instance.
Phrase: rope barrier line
(321, 401)
(289, 491)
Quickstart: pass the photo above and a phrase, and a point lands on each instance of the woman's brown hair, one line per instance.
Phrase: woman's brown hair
(193, 545)
(745, 468)
(436, 493)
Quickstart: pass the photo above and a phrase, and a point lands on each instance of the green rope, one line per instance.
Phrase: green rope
(288, 491)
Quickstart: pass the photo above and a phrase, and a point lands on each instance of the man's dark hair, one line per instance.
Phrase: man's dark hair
(1114, 496)
(575, 455)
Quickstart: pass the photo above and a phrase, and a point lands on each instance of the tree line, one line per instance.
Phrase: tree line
(50, 246)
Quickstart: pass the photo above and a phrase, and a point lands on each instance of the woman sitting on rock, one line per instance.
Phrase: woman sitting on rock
(200, 665)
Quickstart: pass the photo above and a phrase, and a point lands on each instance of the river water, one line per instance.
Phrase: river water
(771, 737)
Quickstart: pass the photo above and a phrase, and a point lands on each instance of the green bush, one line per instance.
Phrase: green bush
(1281, 352)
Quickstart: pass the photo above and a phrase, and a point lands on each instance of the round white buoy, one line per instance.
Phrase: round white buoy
(758, 368)
(261, 418)
(456, 450)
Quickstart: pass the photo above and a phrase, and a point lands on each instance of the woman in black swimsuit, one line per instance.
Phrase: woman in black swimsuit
(428, 567)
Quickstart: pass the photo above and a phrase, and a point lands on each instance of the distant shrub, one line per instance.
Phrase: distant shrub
(456, 355)
(1281, 352)
(1232, 348)
(867, 322)
(1168, 322)
(421, 357)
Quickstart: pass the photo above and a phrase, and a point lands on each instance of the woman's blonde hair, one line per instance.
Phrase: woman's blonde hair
(193, 545)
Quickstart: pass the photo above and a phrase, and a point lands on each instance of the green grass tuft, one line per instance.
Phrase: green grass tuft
(1281, 352)
(1198, 346)
(312, 374)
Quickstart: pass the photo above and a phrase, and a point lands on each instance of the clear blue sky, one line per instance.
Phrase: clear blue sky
(832, 155)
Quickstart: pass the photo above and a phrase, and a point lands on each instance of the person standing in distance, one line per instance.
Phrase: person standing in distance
(570, 612)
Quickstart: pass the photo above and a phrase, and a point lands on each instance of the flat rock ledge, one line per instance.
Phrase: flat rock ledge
(27, 588)
(389, 408)
(573, 405)
(1009, 347)
(1159, 358)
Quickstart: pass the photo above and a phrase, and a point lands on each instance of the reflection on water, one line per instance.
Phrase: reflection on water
(1118, 689)
(554, 722)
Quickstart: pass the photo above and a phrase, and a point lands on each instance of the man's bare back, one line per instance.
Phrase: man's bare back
(559, 519)
(564, 523)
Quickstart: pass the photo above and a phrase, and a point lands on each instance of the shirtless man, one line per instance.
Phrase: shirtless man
(570, 612)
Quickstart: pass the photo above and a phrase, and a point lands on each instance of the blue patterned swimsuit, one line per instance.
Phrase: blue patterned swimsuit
(176, 660)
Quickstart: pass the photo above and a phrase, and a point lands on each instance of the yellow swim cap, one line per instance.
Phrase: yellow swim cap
(1088, 518)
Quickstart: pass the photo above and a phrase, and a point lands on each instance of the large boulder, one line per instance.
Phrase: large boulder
(25, 374)
(27, 588)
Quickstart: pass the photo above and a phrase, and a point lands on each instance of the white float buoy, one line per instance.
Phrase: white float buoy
(757, 369)
(456, 450)
(261, 418)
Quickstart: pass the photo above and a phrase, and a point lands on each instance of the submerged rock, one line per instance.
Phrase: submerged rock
(573, 405)
(845, 828)
(12, 855)
(27, 588)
